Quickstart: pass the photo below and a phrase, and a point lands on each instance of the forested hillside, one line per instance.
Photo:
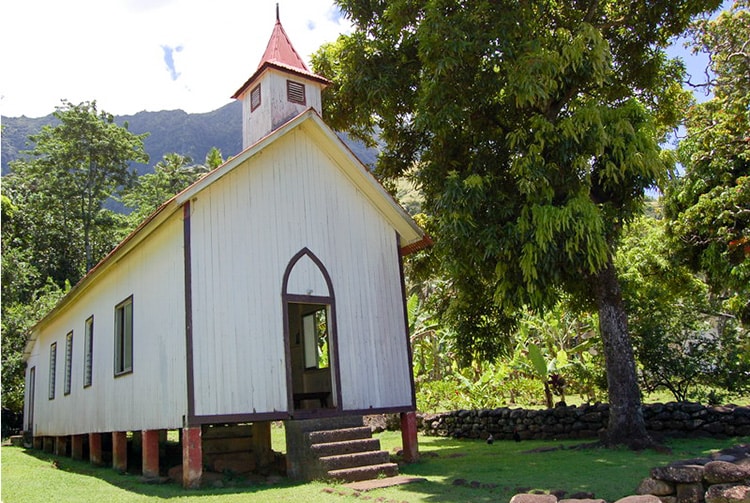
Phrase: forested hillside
(172, 131)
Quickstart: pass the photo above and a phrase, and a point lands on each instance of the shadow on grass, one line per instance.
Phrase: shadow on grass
(457, 470)
(132, 482)
(472, 470)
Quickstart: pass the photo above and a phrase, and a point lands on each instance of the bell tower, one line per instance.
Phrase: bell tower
(281, 88)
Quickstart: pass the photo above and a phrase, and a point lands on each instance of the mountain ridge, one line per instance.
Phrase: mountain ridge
(170, 131)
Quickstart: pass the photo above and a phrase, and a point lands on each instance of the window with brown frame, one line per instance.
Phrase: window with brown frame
(124, 337)
(295, 92)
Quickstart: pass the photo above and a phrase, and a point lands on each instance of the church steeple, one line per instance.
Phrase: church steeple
(281, 88)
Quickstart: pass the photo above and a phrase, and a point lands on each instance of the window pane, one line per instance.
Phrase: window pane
(68, 362)
(315, 333)
(128, 337)
(88, 352)
(124, 337)
(311, 347)
(118, 340)
(321, 327)
(52, 369)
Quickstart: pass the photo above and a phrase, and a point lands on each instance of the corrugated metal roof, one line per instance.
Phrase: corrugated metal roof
(280, 54)
(281, 51)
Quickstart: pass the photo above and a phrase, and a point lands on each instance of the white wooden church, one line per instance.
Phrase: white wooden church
(271, 289)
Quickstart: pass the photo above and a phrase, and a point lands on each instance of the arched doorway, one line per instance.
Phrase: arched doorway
(310, 335)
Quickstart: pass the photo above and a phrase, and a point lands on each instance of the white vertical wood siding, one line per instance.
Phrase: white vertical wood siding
(275, 109)
(154, 395)
(246, 227)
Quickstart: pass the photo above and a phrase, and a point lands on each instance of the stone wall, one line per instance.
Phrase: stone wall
(586, 421)
(721, 478)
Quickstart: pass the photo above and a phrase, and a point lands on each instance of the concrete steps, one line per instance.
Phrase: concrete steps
(360, 473)
(340, 434)
(335, 448)
(350, 454)
(355, 459)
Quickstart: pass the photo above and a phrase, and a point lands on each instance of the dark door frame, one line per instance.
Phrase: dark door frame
(329, 300)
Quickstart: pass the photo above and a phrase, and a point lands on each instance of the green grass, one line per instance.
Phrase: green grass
(498, 471)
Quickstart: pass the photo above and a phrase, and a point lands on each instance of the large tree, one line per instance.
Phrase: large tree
(532, 129)
(708, 206)
(72, 169)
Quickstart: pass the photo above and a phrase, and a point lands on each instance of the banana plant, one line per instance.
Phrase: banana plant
(432, 347)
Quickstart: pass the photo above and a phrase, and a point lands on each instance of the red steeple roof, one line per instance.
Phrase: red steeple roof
(280, 54)
(281, 51)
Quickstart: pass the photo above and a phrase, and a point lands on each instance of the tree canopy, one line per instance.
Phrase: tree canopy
(532, 129)
(172, 174)
(72, 169)
(708, 206)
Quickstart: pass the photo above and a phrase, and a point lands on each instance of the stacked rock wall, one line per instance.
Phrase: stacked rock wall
(722, 478)
(586, 421)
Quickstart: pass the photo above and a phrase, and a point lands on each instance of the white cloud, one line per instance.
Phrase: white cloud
(113, 52)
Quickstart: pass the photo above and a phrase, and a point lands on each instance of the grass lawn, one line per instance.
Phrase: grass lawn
(484, 473)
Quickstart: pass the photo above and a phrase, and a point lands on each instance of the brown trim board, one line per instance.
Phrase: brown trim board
(406, 322)
(188, 313)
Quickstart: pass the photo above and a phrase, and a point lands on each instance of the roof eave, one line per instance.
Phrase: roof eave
(282, 68)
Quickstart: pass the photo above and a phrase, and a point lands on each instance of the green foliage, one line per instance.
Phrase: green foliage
(433, 349)
(553, 353)
(708, 207)
(538, 363)
(72, 169)
(484, 386)
(533, 129)
(171, 175)
(17, 320)
(561, 349)
(213, 159)
(681, 340)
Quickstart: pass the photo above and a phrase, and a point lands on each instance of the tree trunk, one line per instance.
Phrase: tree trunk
(626, 424)
(548, 396)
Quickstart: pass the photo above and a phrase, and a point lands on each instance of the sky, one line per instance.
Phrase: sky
(152, 55)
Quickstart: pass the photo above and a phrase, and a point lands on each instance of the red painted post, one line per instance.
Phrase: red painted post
(95, 448)
(76, 447)
(120, 451)
(150, 449)
(192, 457)
(409, 436)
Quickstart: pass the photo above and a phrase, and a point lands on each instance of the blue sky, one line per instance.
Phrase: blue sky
(134, 55)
